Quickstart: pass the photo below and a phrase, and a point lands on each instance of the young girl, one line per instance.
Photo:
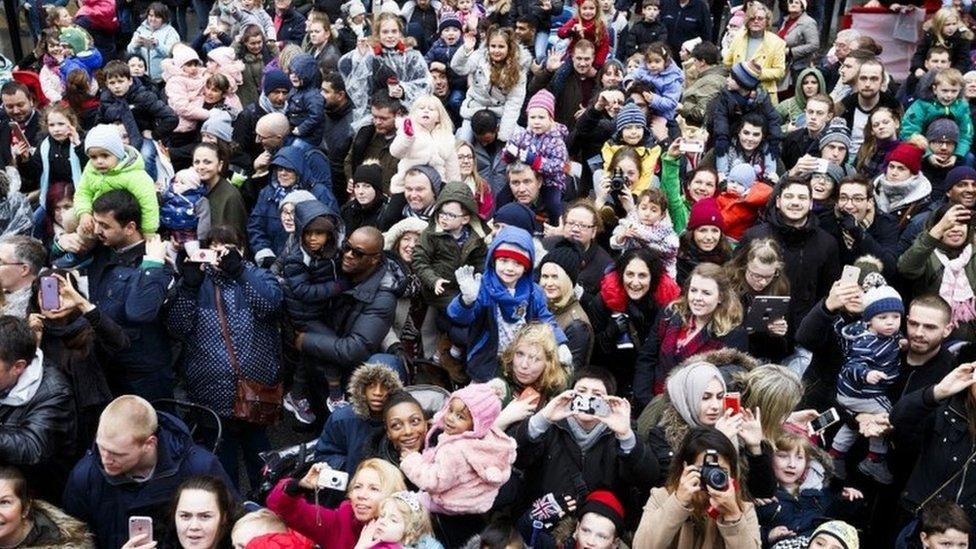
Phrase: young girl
(185, 80)
(667, 80)
(495, 81)
(154, 39)
(426, 136)
(704, 239)
(466, 459)
(494, 306)
(60, 157)
(903, 190)
(587, 23)
(880, 138)
(468, 167)
(59, 17)
(647, 225)
(946, 30)
(631, 133)
(403, 522)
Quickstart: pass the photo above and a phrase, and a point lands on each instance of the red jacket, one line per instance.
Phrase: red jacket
(589, 32)
(740, 213)
(329, 528)
(615, 296)
(101, 14)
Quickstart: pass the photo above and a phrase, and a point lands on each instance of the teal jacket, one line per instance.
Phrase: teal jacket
(923, 111)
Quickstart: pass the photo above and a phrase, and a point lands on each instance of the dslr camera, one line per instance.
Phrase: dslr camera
(618, 182)
(712, 473)
(590, 404)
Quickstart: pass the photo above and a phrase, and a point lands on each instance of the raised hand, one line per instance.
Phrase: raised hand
(469, 283)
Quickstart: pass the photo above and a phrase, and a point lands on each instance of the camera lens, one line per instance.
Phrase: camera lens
(717, 479)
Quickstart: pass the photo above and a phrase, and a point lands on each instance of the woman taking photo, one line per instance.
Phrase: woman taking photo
(757, 270)
(706, 317)
(530, 374)
(226, 204)
(691, 510)
(558, 273)
(614, 203)
(202, 514)
(701, 183)
(769, 54)
(29, 522)
(212, 304)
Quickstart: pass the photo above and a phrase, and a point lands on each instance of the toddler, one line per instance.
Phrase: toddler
(185, 210)
(251, 12)
(631, 133)
(113, 165)
(666, 79)
(306, 106)
(402, 522)
(224, 61)
(543, 147)
(426, 136)
(944, 101)
(466, 459)
(742, 200)
(648, 225)
(871, 365)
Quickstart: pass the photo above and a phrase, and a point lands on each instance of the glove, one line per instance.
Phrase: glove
(721, 146)
(408, 127)
(266, 262)
(191, 274)
(231, 263)
(548, 509)
(469, 284)
(512, 151)
(532, 159)
(622, 321)
(565, 355)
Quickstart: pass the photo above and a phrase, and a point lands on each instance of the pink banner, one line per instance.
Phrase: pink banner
(898, 34)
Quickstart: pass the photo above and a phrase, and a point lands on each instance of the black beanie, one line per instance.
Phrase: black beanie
(568, 255)
(371, 174)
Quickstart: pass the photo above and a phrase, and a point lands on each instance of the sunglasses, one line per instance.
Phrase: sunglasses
(356, 253)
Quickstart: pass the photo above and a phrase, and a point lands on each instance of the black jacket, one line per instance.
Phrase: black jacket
(879, 240)
(292, 27)
(798, 143)
(639, 36)
(820, 378)
(683, 23)
(849, 105)
(336, 142)
(246, 136)
(148, 112)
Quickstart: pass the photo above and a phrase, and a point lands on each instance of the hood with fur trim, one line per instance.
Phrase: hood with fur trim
(363, 377)
(55, 529)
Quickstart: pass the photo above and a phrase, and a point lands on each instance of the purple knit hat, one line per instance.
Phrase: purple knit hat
(543, 99)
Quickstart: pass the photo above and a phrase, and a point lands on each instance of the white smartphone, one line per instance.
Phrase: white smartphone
(822, 165)
(850, 274)
(139, 526)
(823, 421)
(691, 147)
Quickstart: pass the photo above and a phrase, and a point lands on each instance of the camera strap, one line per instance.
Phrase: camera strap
(948, 481)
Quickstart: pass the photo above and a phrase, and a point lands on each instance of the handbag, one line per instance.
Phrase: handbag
(254, 402)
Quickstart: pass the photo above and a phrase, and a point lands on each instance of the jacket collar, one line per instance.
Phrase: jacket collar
(28, 383)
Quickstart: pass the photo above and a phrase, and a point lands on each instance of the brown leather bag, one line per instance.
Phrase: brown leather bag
(254, 402)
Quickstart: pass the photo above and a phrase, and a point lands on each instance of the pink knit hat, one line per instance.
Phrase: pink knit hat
(543, 99)
(482, 402)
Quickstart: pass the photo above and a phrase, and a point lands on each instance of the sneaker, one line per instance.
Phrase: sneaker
(300, 407)
(878, 470)
(840, 468)
(334, 404)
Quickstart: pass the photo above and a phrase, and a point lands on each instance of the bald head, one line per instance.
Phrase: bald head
(362, 253)
(271, 130)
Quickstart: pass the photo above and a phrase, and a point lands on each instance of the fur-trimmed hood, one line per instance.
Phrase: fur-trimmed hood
(363, 377)
(58, 530)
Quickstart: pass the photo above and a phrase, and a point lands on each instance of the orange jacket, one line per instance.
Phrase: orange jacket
(740, 212)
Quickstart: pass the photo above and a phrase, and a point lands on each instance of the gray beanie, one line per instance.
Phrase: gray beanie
(296, 197)
(435, 178)
(219, 125)
(836, 132)
(942, 129)
(107, 137)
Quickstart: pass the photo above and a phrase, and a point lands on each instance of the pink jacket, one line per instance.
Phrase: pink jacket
(185, 95)
(329, 528)
(228, 65)
(101, 14)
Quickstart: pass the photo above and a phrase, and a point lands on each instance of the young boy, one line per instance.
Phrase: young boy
(113, 165)
(648, 225)
(871, 365)
(943, 523)
(306, 106)
(944, 101)
(743, 95)
(644, 32)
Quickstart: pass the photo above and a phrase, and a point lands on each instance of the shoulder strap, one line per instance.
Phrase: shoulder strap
(225, 331)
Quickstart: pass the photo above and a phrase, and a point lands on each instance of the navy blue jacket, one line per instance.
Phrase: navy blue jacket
(310, 285)
(292, 27)
(306, 106)
(140, 109)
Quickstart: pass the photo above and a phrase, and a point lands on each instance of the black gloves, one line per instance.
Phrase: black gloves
(231, 263)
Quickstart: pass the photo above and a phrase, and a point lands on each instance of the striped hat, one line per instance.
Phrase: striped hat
(630, 114)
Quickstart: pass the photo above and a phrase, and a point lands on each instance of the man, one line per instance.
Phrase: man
(806, 140)
(488, 149)
(441, 88)
(289, 23)
(574, 91)
(525, 31)
(526, 186)
(338, 130)
(270, 133)
(857, 107)
(846, 41)
(139, 459)
(274, 97)
(848, 74)
(686, 19)
(373, 140)
(21, 258)
(36, 410)
(19, 108)
(127, 280)
(937, 59)
(696, 97)
(832, 146)
(960, 185)
(421, 184)
(581, 223)
(943, 136)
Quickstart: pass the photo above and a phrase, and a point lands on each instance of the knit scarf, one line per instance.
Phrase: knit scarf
(278, 192)
(268, 106)
(892, 196)
(956, 288)
(512, 307)
(583, 438)
(46, 167)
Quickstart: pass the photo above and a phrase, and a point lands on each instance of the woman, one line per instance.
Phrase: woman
(705, 317)
(558, 273)
(902, 190)
(154, 39)
(749, 146)
(880, 138)
(701, 183)
(319, 42)
(399, 243)
(860, 228)
(367, 200)
(202, 513)
(405, 425)
(704, 239)
(470, 175)
(255, 52)
(226, 204)
(49, 221)
(681, 513)
(374, 481)
(530, 374)
(582, 224)
(213, 303)
(802, 38)
(757, 270)
(630, 297)
(611, 202)
(386, 65)
(941, 261)
(770, 53)
(29, 522)
(808, 82)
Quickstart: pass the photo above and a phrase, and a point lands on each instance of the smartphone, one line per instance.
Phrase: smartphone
(139, 526)
(822, 165)
(529, 394)
(732, 401)
(203, 255)
(16, 133)
(823, 421)
(691, 147)
(850, 274)
(50, 299)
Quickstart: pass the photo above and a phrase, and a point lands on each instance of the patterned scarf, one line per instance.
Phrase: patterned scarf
(956, 288)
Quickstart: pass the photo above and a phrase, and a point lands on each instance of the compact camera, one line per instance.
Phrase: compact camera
(712, 474)
(330, 479)
(590, 404)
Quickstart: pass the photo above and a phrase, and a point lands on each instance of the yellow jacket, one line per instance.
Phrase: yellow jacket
(648, 156)
(771, 56)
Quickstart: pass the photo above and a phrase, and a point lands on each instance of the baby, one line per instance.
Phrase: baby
(648, 224)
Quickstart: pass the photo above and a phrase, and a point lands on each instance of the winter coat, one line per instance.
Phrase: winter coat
(291, 26)
(373, 69)
(802, 42)
(579, 332)
(666, 523)
(310, 282)
(879, 239)
(959, 45)
(226, 206)
(792, 108)
(667, 87)
(685, 22)
(337, 138)
(920, 265)
(145, 110)
(252, 76)
(356, 215)
(593, 129)
(423, 147)
(904, 199)
(101, 15)
(648, 156)
(306, 107)
(165, 37)
(251, 303)
(185, 96)
(53, 528)
(729, 107)
(346, 432)
(697, 96)
(602, 43)
(741, 212)
(183, 211)
(105, 503)
(771, 56)
(546, 153)
(481, 94)
(481, 317)
(437, 254)
(128, 175)
(640, 35)
(333, 528)
(923, 111)
(801, 513)
(849, 106)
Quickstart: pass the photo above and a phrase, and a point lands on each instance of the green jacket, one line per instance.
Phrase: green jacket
(128, 175)
(697, 96)
(678, 206)
(793, 107)
(920, 265)
(923, 111)
(437, 255)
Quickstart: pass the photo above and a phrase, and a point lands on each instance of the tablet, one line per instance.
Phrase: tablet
(765, 309)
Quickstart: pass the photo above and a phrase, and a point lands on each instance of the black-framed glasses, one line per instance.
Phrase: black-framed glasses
(449, 215)
(356, 252)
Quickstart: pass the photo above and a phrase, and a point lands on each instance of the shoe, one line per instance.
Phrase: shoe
(878, 470)
(335, 404)
(300, 407)
(453, 367)
(840, 468)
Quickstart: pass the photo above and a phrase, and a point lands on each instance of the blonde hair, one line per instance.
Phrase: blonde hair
(444, 128)
(939, 20)
(948, 77)
(129, 414)
(774, 389)
(416, 522)
(391, 479)
(728, 313)
(554, 378)
(286, 56)
(383, 18)
(264, 521)
(754, 8)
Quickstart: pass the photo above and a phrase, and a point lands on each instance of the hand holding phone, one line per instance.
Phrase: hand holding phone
(732, 401)
(141, 526)
(823, 421)
(50, 295)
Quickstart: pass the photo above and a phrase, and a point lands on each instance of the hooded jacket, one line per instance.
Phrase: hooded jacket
(55, 529)
(105, 503)
(481, 317)
(165, 36)
(370, 72)
(183, 93)
(306, 106)
(792, 108)
(310, 281)
(423, 147)
(128, 175)
(926, 108)
(699, 94)
(438, 255)
(667, 86)
(347, 430)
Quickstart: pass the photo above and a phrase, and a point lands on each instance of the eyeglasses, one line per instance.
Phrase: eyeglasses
(578, 225)
(449, 215)
(355, 252)
(857, 200)
(761, 278)
(465, 157)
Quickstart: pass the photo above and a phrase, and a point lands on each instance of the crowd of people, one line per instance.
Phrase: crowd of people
(545, 274)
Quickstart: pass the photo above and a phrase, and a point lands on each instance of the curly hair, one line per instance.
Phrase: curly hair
(554, 378)
(504, 75)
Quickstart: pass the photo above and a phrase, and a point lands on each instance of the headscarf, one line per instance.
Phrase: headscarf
(686, 387)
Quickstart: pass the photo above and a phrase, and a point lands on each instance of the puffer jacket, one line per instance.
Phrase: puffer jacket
(741, 212)
(437, 255)
(348, 429)
(184, 94)
(142, 110)
(311, 281)
(129, 175)
(291, 26)
(306, 106)
(251, 304)
(165, 36)
(923, 111)
(546, 153)
(423, 147)
(667, 85)
(507, 105)
(55, 529)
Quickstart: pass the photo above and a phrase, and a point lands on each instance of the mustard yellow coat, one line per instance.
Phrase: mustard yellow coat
(771, 56)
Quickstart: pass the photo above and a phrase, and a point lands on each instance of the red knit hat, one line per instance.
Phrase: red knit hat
(706, 212)
(511, 251)
(909, 155)
(605, 504)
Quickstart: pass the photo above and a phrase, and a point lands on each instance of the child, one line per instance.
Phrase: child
(945, 101)
(587, 24)
(466, 459)
(871, 364)
(447, 44)
(543, 147)
(306, 107)
(113, 165)
(495, 81)
(945, 30)
(402, 522)
(666, 79)
(367, 199)
(312, 276)
(185, 81)
(426, 136)
(185, 211)
(644, 32)
(224, 61)
(251, 12)
(943, 524)
(154, 39)
(648, 225)
(631, 133)
(60, 156)
(742, 95)
(496, 304)
(743, 199)
(138, 70)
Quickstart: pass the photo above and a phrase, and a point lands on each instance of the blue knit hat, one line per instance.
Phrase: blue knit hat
(516, 215)
(449, 19)
(276, 80)
(747, 74)
(882, 299)
(743, 174)
(957, 174)
(630, 114)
